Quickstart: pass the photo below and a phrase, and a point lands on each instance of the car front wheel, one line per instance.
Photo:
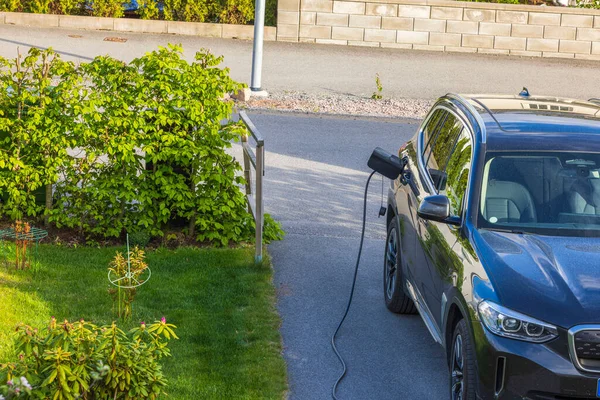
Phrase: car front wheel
(396, 299)
(462, 364)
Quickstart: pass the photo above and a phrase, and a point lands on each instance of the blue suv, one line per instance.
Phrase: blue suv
(494, 238)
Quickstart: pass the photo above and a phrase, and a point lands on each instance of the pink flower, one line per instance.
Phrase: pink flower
(163, 320)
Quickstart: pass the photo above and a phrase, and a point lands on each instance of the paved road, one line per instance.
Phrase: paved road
(338, 69)
(315, 176)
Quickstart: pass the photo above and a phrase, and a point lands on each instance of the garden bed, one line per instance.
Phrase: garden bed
(222, 304)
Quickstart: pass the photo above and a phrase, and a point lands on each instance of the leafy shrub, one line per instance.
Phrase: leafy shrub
(186, 10)
(272, 230)
(271, 13)
(238, 12)
(217, 11)
(106, 8)
(11, 5)
(148, 9)
(150, 146)
(82, 360)
(172, 10)
(588, 3)
(65, 7)
(37, 6)
(139, 238)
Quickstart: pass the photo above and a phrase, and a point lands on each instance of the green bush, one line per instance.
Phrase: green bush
(217, 11)
(106, 8)
(148, 9)
(65, 7)
(11, 5)
(238, 12)
(150, 145)
(37, 6)
(588, 4)
(271, 13)
(82, 360)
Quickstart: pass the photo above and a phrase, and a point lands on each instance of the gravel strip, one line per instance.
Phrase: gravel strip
(340, 105)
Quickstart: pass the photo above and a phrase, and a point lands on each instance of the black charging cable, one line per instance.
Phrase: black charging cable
(360, 247)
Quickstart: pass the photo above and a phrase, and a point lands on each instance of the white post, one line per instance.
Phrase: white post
(257, 51)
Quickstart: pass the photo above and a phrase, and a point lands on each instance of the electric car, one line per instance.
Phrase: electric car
(494, 239)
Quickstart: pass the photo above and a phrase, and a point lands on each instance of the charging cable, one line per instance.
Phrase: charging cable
(362, 239)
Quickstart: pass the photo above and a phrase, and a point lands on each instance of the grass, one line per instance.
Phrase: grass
(222, 304)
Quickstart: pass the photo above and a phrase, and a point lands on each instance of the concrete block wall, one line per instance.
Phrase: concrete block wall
(443, 25)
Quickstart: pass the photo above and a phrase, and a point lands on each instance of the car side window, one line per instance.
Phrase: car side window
(457, 172)
(443, 143)
(431, 129)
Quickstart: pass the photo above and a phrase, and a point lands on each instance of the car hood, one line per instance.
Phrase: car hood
(554, 279)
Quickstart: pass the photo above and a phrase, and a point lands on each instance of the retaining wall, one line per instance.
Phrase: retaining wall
(443, 25)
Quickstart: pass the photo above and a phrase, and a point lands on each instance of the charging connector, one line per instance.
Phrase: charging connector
(391, 167)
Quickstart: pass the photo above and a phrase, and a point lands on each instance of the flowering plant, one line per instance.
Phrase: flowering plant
(81, 360)
(16, 387)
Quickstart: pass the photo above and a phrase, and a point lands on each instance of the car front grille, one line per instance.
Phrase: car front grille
(587, 345)
(548, 396)
(584, 347)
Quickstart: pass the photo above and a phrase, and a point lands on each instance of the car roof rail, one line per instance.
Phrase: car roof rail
(491, 114)
(465, 102)
(595, 100)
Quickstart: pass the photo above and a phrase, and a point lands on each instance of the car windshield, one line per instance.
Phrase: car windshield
(548, 193)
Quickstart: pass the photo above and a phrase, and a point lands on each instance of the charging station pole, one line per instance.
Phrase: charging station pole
(257, 51)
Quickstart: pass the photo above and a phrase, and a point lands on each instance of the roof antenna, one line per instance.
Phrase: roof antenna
(524, 92)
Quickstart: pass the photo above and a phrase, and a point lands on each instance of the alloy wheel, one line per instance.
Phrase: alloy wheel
(391, 256)
(457, 369)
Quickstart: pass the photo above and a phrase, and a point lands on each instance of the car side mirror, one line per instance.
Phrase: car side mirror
(437, 208)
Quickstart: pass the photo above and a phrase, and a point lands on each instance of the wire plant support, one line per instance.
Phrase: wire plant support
(254, 158)
(130, 279)
(23, 234)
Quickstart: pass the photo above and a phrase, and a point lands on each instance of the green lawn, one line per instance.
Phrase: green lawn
(222, 304)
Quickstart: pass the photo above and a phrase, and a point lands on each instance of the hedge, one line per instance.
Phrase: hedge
(217, 11)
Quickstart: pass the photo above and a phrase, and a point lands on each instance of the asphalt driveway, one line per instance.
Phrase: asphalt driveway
(315, 176)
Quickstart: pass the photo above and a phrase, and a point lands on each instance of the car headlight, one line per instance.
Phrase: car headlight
(504, 322)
